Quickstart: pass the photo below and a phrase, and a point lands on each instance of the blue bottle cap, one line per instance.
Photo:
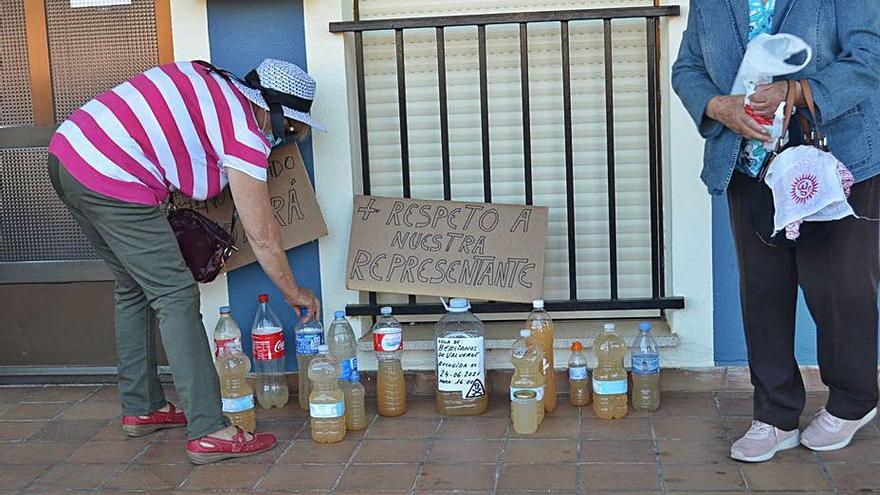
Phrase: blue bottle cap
(339, 314)
(644, 326)
(303, 312)
(225, 310)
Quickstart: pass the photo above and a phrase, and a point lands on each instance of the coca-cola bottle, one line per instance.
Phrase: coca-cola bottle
(268, 340)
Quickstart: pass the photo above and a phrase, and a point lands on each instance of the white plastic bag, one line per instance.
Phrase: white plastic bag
(765, 59)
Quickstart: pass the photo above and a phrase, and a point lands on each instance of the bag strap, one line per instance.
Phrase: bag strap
(790, 94)
(815, 135)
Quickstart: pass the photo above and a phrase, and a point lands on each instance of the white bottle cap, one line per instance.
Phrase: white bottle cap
(459, 305)
(386, 310)
(538, 304)
(525, 332)
(323, 349)
(610, 327)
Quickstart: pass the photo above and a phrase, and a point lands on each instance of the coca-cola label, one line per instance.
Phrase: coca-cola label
(387, 340)
(268, 346)
(232, 345)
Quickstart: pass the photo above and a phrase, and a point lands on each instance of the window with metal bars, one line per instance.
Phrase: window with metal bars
(558, 108)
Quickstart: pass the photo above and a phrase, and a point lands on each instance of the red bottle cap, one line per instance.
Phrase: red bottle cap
(263, 298)
(577, 346)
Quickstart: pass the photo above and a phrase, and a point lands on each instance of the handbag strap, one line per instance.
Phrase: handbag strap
(813, 134)
(790, 94)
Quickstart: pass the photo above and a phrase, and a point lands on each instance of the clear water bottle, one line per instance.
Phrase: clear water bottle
(309, 337)
(268, 343)
(645, 370)
(390, 382)
(227, 335)
(343, 344)
(460, 359)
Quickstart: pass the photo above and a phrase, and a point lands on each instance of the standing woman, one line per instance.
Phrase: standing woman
(838, 274)
(190, 128)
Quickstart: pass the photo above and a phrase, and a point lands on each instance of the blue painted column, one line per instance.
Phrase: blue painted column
(242, 34)
(730, 342)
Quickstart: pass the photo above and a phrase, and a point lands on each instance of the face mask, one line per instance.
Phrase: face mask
(274, 142)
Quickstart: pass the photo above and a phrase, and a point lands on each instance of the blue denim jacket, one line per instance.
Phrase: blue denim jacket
(844, 75)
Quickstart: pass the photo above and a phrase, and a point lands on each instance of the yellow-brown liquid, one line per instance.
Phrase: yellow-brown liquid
(610, 350)
(542, 335)
(390, 388)
(328, 430)
(453, 404)
(579, 392)
(232, 369)
(527, 374)
(646, 392)
(355, 415)
(524, 413)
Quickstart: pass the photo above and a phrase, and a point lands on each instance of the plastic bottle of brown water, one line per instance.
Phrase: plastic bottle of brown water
(238, 397)
(460, 362)
(326, 401)
(578, 376)
(609, 377)
(526, 358)
(541, 326)
(645, 370)
(390, 382)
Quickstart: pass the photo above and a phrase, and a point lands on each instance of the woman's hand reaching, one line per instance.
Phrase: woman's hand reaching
(304, 298)
(729, 111)
(767, 97)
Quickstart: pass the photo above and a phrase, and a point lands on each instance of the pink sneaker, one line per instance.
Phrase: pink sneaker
(828, 432)
(762, 442)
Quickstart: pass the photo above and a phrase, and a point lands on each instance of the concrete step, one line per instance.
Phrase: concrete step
(418, 341)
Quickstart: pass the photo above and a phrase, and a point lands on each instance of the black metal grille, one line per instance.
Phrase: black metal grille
(658, 299)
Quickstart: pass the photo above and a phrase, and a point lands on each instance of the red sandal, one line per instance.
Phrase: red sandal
(211, 449)
(137, 426)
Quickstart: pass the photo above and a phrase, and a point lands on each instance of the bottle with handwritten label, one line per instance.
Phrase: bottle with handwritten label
(541, 325)
(609, 377)
(578, 376)
(309, 336)
(527, 361)
(460, 362)
(226, 333)
(390, 382)
(237, 396)
(645, 370)
(267, 336)
(326, 401)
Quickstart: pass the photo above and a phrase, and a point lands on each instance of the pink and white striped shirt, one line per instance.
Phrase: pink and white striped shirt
(177, 126)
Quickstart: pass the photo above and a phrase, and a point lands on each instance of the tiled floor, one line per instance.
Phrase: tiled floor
(67, 440)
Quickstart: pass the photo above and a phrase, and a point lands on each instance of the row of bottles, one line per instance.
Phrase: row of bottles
(315, 361)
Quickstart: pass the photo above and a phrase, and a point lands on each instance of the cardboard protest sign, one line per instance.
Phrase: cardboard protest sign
(291, 197)
(446, 248)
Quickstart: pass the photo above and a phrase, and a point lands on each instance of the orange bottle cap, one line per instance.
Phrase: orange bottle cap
(576, 346)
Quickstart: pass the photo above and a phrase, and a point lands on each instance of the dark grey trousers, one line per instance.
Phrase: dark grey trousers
(839, 276)
(152, 279)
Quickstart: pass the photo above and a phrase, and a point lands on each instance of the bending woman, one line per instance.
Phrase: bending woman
(193, 129)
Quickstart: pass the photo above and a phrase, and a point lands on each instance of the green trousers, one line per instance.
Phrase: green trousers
(152, 280)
